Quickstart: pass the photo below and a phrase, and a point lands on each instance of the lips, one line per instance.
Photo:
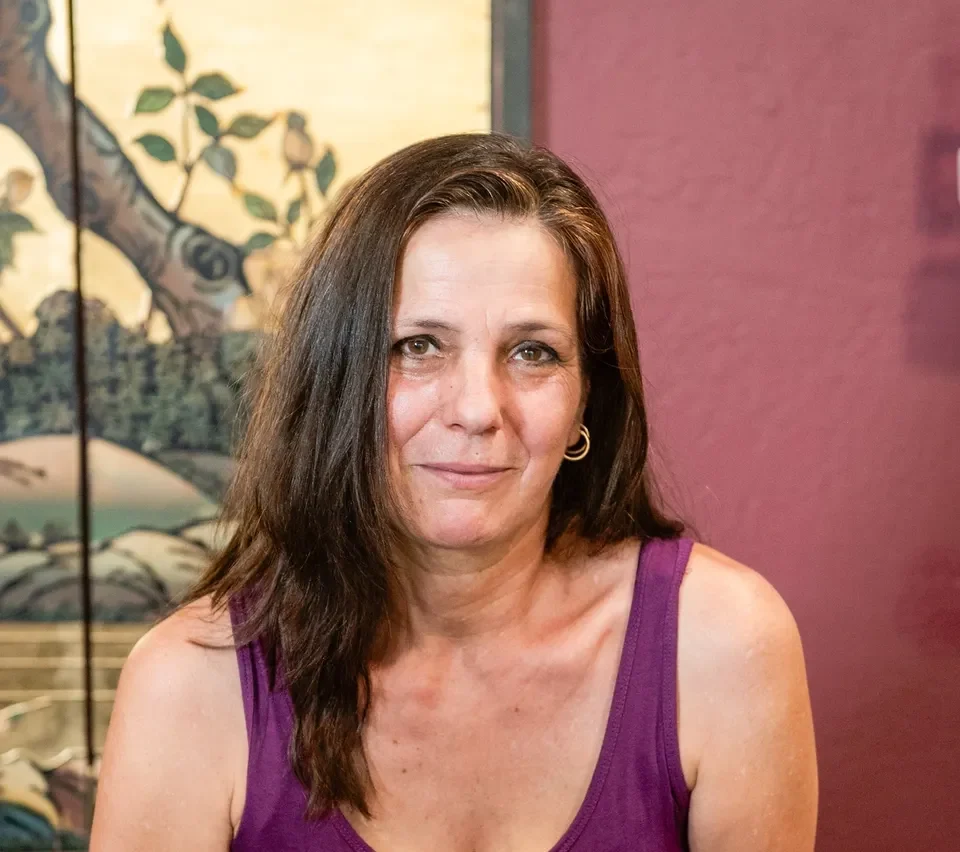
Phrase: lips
(466, 476)
(468, 469)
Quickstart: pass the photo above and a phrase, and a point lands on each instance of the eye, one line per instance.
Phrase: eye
(416, 347)
(535, 353)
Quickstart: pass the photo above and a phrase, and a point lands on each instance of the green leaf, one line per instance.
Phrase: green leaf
(293, 211)
(259, 240)
(326, 171)
(14, 223)
(173, 51)
(221, 160)
(207, 120)
(154, 99)
(259, 206)
(247, 126)
(213, 86)
(157, 146)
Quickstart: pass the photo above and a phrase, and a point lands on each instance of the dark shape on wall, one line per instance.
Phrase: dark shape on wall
(939, 196)
(928, 606)
(932, 316)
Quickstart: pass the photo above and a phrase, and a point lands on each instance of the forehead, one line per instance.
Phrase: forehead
(462, 264)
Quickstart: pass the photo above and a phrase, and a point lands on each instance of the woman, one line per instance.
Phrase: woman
(452, 616)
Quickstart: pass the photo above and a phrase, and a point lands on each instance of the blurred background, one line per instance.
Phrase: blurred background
(783, 180)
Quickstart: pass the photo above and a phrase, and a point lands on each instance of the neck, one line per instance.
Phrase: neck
(458, 595)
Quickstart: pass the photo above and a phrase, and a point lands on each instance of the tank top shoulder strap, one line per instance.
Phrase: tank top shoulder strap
(647, 757)
(275, 800)
(258, 704)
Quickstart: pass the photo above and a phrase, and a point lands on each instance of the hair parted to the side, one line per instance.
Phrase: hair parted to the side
(315, 525)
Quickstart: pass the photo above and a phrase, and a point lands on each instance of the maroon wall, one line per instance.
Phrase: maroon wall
(783, 178)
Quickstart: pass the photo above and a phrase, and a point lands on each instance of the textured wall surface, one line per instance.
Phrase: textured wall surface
(783, 178)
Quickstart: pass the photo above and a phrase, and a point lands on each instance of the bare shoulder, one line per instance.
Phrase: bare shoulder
(744, 710)
(182, 667)
(729, 612)
(190, 643)
(736, 634)
(175, 747)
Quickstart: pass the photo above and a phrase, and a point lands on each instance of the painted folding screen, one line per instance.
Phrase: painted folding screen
(213, 136)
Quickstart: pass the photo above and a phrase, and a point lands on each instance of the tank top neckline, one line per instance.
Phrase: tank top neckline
(607, 747)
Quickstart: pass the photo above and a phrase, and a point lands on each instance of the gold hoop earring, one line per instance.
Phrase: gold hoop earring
(581, 453)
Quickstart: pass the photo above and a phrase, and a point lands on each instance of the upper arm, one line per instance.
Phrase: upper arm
(171, 754)
(744, 701)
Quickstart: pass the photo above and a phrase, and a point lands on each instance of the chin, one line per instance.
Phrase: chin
(458, 533)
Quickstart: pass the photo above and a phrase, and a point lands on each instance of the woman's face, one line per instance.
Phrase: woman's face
(486, 389)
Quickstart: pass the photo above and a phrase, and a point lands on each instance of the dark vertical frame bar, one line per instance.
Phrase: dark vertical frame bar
(80, 366)
(511, 67)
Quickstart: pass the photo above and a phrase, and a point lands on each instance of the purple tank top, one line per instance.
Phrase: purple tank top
(637, 800)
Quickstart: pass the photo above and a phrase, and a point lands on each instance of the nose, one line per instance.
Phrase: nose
(474, 396)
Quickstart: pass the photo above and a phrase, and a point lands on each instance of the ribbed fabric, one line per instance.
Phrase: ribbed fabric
(637, 800)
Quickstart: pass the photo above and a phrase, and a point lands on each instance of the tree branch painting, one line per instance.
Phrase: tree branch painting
(193, 275)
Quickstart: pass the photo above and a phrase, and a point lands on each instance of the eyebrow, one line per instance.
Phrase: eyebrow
(529, 327)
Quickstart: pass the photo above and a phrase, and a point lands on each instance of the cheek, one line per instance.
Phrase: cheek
(546, 418)
(409, 405)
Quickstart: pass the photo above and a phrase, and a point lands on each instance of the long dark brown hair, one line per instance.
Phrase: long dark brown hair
(314, 520)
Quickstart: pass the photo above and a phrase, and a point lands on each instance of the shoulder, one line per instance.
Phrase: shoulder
(739, 651)
(728, 608)
(177, 728)
(185, 661)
